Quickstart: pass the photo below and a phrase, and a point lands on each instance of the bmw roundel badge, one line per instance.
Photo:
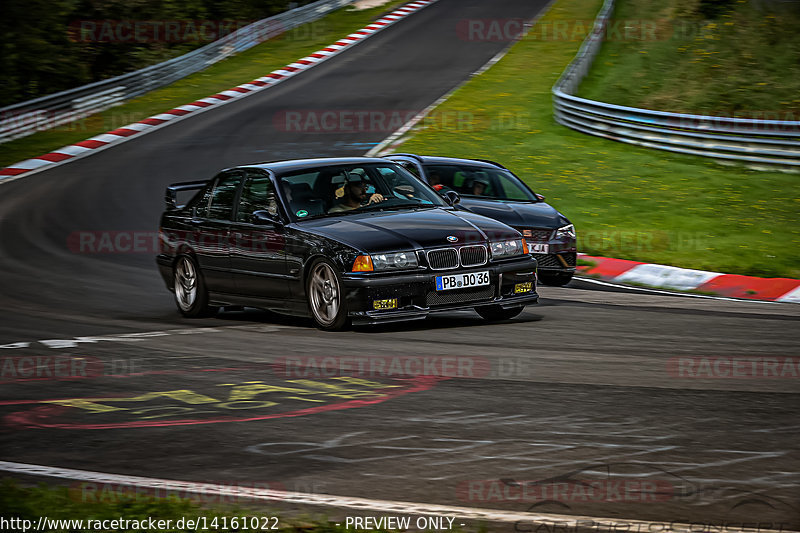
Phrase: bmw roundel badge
(452, 238)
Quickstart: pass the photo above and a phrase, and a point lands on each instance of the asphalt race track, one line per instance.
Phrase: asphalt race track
(585, 385)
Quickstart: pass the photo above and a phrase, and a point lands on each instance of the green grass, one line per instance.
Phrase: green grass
(626, 202)
(30, 503)
(249, 65)
(743, 60)
(108, 502)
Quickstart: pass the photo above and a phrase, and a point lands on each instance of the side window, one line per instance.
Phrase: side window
(411, 167)
(201, 206)
(223, 195)
(258, 194)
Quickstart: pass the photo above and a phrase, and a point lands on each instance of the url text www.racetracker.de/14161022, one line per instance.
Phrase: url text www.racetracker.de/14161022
(199, 523)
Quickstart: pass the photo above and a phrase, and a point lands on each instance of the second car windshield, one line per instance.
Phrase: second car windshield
(334, 190)
(475, 182)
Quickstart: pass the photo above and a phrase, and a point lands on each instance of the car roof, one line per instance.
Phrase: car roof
(290, 165)
(440, 160)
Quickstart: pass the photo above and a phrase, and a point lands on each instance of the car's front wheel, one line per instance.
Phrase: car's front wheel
(191, 295)
(326, 301)
(494, 313)
(556, 279)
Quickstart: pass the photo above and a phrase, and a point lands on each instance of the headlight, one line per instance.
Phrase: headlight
(397, 260)
(508, 248)
(566, 232)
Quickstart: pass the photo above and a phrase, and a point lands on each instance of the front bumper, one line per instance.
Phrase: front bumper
(562, 252)
(417, 296)
(557, 261)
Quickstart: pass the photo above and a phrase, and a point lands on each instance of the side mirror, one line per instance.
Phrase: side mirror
(451, 197)
(265, 217)
(539, 197)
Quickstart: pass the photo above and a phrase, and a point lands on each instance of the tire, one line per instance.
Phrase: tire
(556, 279)
(494, 313)
(326, 303)
(189, 288)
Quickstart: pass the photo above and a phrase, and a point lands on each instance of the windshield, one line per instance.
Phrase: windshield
(479, 182)
(336, 190)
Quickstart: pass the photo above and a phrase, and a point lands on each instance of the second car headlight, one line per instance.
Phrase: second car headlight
(508, 248)
(567, 232)
(396, 260)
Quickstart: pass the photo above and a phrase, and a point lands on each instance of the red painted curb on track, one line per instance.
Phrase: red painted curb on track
(668, 277)
(67, 153)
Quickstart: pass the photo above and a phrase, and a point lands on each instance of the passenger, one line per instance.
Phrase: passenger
(355, 193)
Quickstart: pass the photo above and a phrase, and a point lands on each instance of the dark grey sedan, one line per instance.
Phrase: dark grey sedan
(489, 189)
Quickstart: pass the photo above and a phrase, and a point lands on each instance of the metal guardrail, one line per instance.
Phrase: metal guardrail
(25, 118)
(759, 144)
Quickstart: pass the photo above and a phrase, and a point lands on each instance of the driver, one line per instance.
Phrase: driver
(479, 186)
(355, 192)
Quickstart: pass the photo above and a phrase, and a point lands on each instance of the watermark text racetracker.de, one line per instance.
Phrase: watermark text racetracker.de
(400, 366)
(136, 31)
(734, 367)
(153, 242)
(321, 121)
(595, 241)
(58, 367)
(615, 30)
(210, 492)
(566, 491)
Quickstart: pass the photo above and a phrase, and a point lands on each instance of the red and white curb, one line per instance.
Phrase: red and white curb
(684, 279)
(119, 135)
(534, 521)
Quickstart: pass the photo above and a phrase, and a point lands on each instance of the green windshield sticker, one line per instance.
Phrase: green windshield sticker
(302, 213)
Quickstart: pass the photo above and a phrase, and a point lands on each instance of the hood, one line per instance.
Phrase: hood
(404, 230)
(517, 214)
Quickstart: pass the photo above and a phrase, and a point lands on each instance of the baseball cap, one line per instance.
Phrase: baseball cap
(356, 175)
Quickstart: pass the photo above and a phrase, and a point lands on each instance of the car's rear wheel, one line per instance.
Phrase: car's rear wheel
(556, 279)
(494, 313)
(326, 301)
(191, 295)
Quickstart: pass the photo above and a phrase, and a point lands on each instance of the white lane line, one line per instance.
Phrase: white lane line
(359, 504)
(136, 336)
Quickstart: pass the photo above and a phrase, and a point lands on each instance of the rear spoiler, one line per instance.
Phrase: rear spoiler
(171, 194)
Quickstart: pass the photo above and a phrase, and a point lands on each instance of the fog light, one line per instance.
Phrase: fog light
(384, 304)
(520, 288)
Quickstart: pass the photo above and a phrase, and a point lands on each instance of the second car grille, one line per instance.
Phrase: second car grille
(443, 258)
(536, 234)
(458, 296)
(473, 255)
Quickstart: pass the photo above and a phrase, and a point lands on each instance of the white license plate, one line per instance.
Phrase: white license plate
(462, 281)
(539, 248)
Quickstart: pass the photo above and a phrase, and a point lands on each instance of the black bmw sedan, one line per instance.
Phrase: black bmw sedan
(489, 189)
(340, 240)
